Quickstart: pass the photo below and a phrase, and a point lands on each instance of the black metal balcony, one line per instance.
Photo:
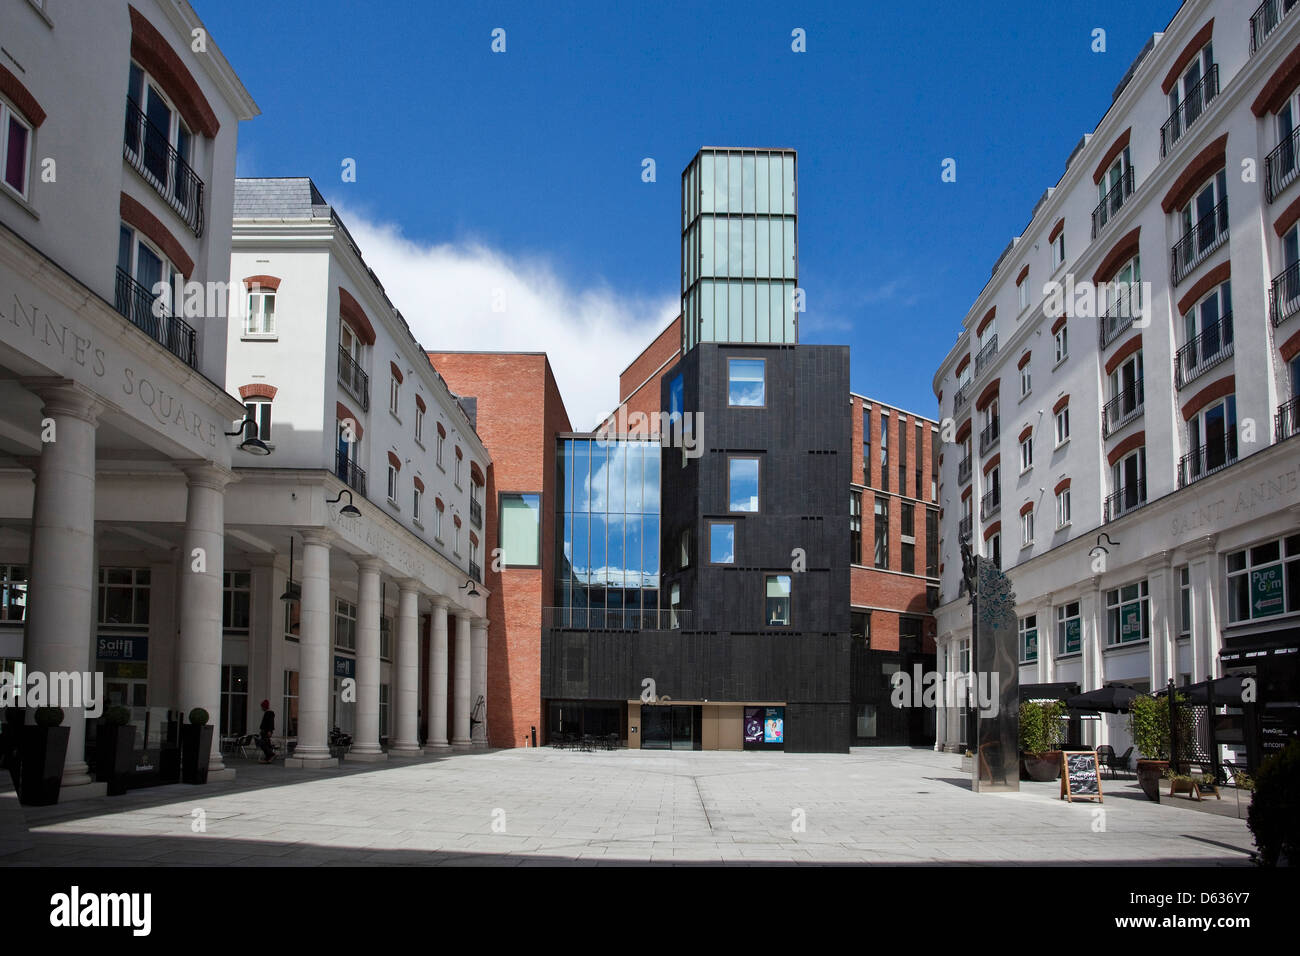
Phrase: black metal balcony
(1284, 295)
(1287, 421)
(989, 437)
(1208, 459)
(990, 503)
(1202, 239)
(1111, 202)
(614, 619)
(960, 397)
(475, 512)
(1212, 346)
(476, 572)
(151, 154)
(986, 354)
(352, 474)
(1266, 19)
(354, 378)
(1126, 499)
(150, 314)
(1119, 316)
(1189, 110)
(1123, 408)
(1280, 165)
(963, 527)
(963, 470)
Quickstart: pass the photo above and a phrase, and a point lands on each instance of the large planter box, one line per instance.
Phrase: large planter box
(196, 751)
(1150, 774)
(115, 757)
(1043, 767)
(40, 765)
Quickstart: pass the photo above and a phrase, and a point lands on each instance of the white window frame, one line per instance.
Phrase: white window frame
(1058, 250)
(1063, 508)
(261, 296)
(1063, 617)
(1061, 344)
(1027, 528)
(419, 424)
(1026, 625)
(394, 394)
(1061, 422)
(1026, 381)
(1116, 598)
(415, 504)
(1027, 454)
(392, 483)
(438, 455)
(1022, 293)
(7, 113)
(259, 409)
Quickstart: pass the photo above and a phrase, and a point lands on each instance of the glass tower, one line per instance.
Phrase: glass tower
(740, 262)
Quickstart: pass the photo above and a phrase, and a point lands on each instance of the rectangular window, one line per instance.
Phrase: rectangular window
(13, 593)
(1184, 602)
(882, 532)
(931, 543)
(860, 626)
(15, 149)
(855, 528)
(746, 381)
(743, 484)
(260, 319)
(1128, 616)
(908, 515)
(415, 504)
(1061, 344)
(866, 444)
(289, 716)
(722, 542)
(777, 609)
(1264, 580)
(345, 625)
(1027, 453)
(993, 549)
(521, 522)
(385, 711)
(884, 451)
(394, 394)
(123, 598)
(1058, 250)
(392, 484)
(1027, 529)
(234, 700)
(259, 412)
(236, 595)
(438, 456)
(902, 454)
(1063, 425)
(437, 522)
(675, 606)
(1022, 291)
(684, 548)
(1029, 639)
(908, 555)
(419, 424)
(1069, 629)
(1063, 508)
(1025, 383)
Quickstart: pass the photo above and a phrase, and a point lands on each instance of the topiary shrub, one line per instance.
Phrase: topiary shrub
(49, 716)
(198, 716)
(1272, 816)
(1040, 726)
(117, 716)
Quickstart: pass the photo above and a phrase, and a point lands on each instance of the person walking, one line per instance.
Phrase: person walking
(268, 728)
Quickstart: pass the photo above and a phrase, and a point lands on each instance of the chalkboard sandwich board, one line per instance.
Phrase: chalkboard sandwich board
(1079, 777)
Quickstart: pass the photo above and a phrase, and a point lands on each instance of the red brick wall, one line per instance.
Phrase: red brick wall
(638, 385)
(520, 413)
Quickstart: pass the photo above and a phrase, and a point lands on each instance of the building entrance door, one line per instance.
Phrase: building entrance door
(668, 727)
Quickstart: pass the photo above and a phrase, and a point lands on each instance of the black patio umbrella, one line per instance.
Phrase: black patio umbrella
(1112, 699)
(1227, 690)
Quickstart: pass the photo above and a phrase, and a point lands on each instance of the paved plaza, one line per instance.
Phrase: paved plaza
(512, 807)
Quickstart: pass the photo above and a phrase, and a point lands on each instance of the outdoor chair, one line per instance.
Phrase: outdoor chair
(1106, 757)
(1121, 762)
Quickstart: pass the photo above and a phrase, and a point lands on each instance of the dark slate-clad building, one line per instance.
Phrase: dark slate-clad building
(732, 629)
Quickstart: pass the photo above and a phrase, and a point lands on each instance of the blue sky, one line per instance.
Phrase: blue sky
(529, 162)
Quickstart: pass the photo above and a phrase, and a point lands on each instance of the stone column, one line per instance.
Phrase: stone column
(461, 694)
(436, 701)
(1204, 571)
(478, 678)
(407, 668)
(198, 651)
(314, 671)
(61, 597)
(365, 746)
(1162, 604)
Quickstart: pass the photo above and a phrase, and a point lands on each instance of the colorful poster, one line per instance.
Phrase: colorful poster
(774, 725)
(753, 725)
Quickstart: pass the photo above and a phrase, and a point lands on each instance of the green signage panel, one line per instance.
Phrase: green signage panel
(1266, 591)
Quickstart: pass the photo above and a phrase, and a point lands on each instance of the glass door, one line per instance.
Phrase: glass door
(656, 727)
(683, 727)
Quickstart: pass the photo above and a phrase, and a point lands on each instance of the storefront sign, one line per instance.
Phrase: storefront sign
(1266, 590)
(345, 666)
(122, 649)
(1072, 639)
(1130, 622)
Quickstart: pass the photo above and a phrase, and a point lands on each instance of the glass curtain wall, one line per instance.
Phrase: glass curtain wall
(740, 262)
(607, 573)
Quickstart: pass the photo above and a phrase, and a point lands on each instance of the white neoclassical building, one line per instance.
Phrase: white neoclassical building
(391, 593)
(1125, 449)
(118, 127)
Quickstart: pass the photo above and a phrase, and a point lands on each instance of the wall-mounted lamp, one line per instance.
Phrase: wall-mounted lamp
(473, 591)
(251, 443)
(349, 510)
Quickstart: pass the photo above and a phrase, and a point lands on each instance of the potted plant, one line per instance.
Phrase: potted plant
(1272, 816)
(1040, 738)
(1148, 723)
(42, 752)
(115, 749)
(196, 747)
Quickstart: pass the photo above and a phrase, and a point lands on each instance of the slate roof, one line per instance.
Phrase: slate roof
(290, 198)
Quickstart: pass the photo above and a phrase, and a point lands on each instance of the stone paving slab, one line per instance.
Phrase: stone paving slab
(524, 807)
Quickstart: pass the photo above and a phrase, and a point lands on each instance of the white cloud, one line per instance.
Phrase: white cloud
(447, 294)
